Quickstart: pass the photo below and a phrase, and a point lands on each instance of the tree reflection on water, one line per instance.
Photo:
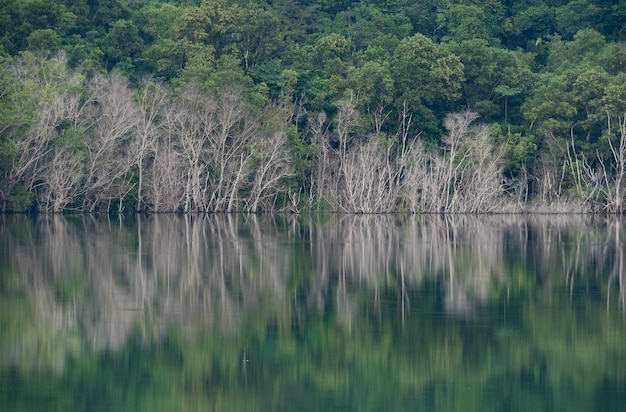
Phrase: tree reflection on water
(425, 303)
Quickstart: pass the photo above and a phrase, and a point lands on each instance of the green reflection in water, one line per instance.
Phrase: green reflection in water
(333, 313)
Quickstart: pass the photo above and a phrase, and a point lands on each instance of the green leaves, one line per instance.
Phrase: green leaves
(465, 22)
(330, 52)
(506, 91)
(425, 76)
(550, 99)
(576, 15)
(373, 83)
(254, 30)
(122, 40)
(44, 40)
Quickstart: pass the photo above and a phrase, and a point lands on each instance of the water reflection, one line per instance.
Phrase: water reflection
(73, 286)
(109, 276)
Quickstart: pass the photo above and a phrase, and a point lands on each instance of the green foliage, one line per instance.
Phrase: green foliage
(44, 40)
(470, 21)
(365, 22)
(19, 199)
(535, 21)
(494, 78)
(121, 42)
(373, 84)
(426, 77)
(254, 29)
(330, 52)
(551, 103)
(577, 15)
(287, 82)
(31, 21)
(614, 96)
(521, 149)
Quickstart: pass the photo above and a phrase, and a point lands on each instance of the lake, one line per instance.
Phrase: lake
(311, 313)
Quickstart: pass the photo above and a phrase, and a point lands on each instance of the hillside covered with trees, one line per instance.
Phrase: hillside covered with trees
(367, 106)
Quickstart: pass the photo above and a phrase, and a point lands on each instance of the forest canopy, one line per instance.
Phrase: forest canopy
(355, 106)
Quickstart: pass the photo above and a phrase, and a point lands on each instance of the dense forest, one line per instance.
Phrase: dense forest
(111, 106)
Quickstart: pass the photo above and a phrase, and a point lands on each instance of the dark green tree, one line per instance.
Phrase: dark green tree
(487, 68)
(427, 78)
(122, 42)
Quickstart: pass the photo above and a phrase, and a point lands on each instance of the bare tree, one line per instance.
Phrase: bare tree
(483, 189)
(379, 116)
(347, 119)
(457, 125)
(605, 179)
(585, 176)
(164, 189)
(369, 178)
(321, 183)
(465, 177)
(272, 166)
(612, 190)
(340, 164)
(229, 151)
(215, 136)
(48, 98)
(62, 179)
(108, 143)
(151, 99)
(416, 179)
(194, 125)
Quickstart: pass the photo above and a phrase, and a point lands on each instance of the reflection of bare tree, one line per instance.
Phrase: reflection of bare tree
(103, 279)
(98, 281)
(463, 252)
(617, 273)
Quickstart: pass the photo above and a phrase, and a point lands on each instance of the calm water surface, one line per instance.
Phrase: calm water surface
(363, 313)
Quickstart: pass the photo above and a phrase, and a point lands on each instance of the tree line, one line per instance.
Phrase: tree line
(355, 106)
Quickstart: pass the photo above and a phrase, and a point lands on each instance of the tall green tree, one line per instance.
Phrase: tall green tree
(122, 42)
(21, 18)
(165, 52)
(472, 21)
(577, 15)
(427, 78)
(487, 68)
(256, 34)
(364, 23)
